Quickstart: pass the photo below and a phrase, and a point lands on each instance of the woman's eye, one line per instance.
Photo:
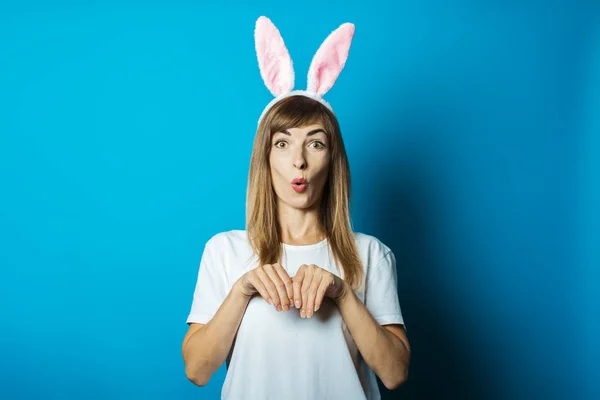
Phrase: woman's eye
(279, 144)
(319, 145)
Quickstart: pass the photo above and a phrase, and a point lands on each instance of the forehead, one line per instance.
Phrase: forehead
(315, 129)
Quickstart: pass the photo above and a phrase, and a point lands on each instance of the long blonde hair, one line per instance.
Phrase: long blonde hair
(262, 225)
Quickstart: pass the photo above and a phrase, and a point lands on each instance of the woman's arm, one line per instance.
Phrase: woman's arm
(205, 347)
(385, 349)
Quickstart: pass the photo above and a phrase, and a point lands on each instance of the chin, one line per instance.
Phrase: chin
(299, 203)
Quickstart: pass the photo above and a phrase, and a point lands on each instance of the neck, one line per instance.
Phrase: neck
(300, 227)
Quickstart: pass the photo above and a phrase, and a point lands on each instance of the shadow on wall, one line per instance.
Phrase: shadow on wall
(444, 364)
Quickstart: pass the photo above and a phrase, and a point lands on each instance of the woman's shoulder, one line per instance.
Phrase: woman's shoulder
(231, 248)
(231, 238)
(370, 247)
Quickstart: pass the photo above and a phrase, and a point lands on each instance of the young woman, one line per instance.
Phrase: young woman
(298, 305)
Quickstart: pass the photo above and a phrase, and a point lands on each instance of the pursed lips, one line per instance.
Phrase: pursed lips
(299, 185)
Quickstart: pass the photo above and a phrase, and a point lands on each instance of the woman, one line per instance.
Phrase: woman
(298, 305)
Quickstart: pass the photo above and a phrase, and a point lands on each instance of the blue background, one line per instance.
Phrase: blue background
(472, 129)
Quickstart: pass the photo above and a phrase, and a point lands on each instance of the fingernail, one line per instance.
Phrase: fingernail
(286, 307)
(278, 307)
(317, 308)
(269, 301)
(297, 303)
(302, 313)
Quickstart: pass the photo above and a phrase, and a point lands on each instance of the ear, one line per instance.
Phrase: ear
(329, 60)
(274, 60)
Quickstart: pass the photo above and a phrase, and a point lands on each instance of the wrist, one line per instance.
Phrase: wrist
(238, 292)
(345, 293)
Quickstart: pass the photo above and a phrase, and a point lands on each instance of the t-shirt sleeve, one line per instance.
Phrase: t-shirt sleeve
(381, 298)
(211, 285)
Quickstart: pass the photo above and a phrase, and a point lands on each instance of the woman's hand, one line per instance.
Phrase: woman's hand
(312, 284)
(271, 282)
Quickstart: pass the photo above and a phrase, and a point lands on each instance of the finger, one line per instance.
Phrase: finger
(260, 287)
(297, 286)
(278, 284)
(271, 289)
(308, 276)
(284, 302)
(312, 293)
(321, 292)
(287, 281)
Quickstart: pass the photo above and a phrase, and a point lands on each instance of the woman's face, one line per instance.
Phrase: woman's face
(300, 154)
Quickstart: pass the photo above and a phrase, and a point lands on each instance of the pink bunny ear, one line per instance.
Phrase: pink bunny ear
(274, 60)
(329, 60)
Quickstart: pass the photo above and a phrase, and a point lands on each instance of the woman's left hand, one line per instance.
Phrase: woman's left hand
(312, 284)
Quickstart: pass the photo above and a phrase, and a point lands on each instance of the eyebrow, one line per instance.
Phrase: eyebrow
(313, 132)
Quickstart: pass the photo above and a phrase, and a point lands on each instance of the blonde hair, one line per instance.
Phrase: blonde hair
(262, 225)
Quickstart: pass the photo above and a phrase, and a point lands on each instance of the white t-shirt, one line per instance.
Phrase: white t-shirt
(278, 354)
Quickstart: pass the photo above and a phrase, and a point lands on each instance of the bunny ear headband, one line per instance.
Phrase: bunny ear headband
(276, 67)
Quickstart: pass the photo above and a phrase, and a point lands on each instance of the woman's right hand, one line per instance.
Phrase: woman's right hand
(271, 282)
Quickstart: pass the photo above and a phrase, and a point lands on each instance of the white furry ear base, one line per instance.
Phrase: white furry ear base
(274, 61)
(330, 59)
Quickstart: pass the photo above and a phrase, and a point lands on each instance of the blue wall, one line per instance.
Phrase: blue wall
(468, 124)
(589, 277)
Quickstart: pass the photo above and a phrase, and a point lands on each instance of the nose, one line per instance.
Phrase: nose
(299, 161)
